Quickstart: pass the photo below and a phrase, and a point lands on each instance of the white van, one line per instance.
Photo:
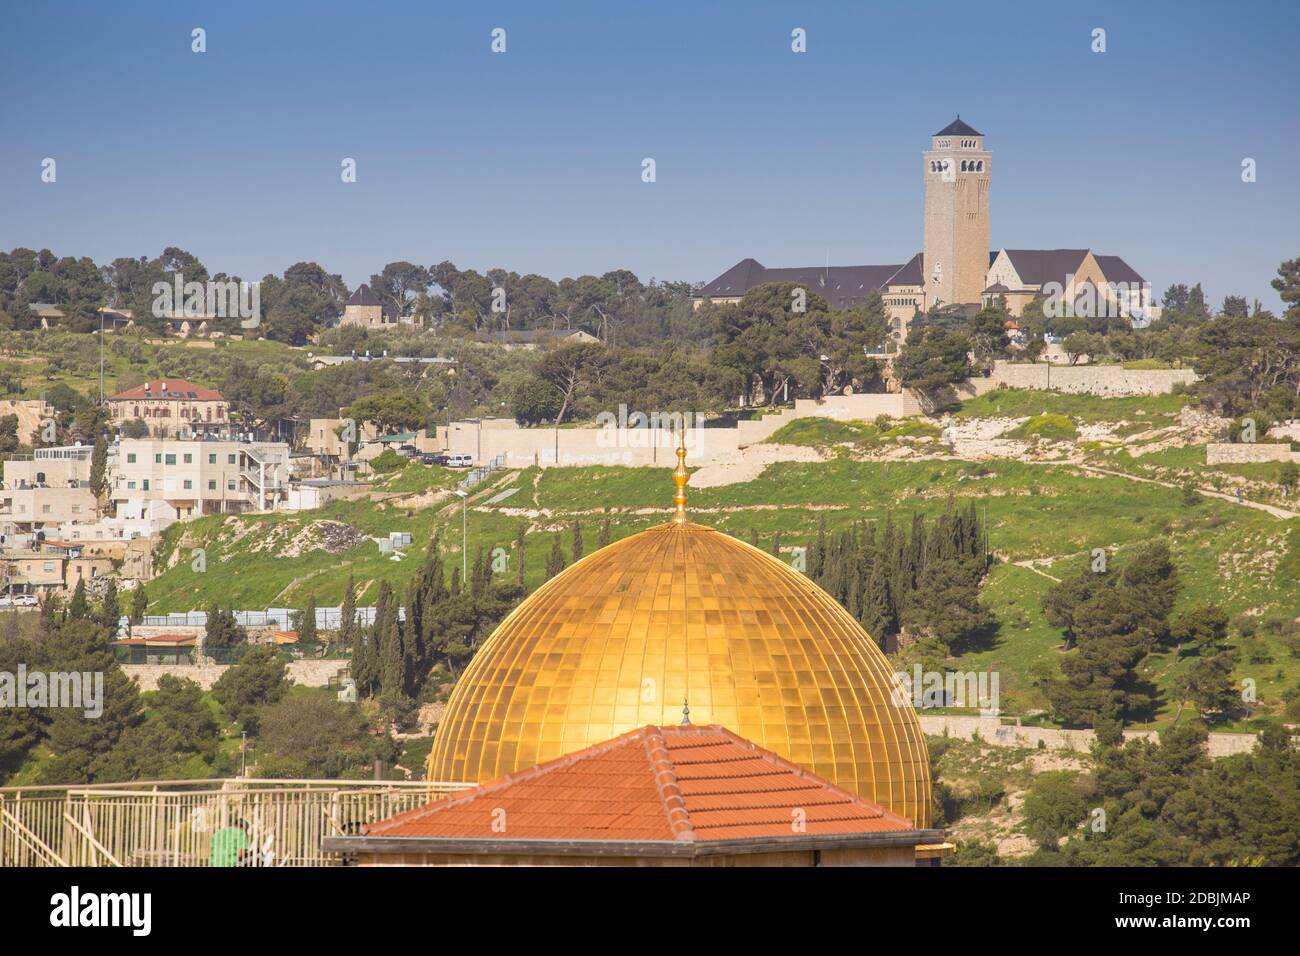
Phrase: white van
(460, 461)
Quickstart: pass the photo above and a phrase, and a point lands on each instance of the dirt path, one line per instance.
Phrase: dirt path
(1273, 510)
(1032, 565)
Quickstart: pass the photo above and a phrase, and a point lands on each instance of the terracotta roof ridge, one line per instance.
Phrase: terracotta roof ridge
(519, 776)
(818, 781)
(670, 793)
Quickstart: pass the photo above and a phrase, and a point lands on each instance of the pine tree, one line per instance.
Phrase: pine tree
(80, 607)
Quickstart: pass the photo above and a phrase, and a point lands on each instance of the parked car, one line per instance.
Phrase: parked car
(407, 451)
(18, 600)
(433, 459)
(460, 461)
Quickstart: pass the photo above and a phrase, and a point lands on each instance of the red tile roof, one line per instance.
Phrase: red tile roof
(171, 389)
(158, 640)
(682, 784)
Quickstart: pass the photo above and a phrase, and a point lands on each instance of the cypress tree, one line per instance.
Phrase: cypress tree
(776, 545)
(348, 616)
(818, 556)
(753, 537)
(519, 555)
(139, 603)
(577, 541)
(110, 611)
(80, 607)
(602, 538)
(555, 560)
(99, 469)
(877, 615)
(307, 634)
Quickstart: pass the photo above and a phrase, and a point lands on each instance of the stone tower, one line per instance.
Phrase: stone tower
(957, 169)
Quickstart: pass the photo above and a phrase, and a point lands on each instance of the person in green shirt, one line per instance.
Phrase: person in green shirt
(229, 845)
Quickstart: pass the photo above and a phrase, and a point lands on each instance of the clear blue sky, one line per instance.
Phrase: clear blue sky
(531, 159)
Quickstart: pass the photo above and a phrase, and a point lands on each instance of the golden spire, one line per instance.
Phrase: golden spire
(680, 476)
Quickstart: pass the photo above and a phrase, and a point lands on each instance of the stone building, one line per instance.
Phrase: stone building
(955, 265)
(171, 408)
(365, 309)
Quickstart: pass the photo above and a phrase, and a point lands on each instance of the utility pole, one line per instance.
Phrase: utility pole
(464, 536)
(101, 358)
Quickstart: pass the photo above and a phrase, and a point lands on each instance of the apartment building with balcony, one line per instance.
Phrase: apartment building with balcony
(169, 480)
(41, 493)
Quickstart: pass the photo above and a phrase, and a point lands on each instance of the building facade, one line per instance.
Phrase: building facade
(172, 408)
(955, 265)
(189, 479)
(365, 309)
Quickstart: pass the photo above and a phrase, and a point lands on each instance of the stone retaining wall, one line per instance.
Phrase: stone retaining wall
(993, 731)
(1108, 381)
(308, 673)
(1238, 453)
(525, 447)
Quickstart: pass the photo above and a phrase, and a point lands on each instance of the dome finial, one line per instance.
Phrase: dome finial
(686, 713)
(681, 476)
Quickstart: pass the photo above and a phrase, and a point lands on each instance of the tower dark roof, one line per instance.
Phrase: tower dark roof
(958, 128)
(363, 296)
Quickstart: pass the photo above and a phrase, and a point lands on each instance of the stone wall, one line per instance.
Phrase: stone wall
(1225, 453)
(525, 447)
(993, 731)
(1104, 380)
(308, 672)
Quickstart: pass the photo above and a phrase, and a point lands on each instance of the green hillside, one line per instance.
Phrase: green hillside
(1054, 514)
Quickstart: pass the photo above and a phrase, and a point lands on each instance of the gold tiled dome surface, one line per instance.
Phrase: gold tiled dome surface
(684, 612)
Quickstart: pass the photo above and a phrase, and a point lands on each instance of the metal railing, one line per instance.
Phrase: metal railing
(177, 822)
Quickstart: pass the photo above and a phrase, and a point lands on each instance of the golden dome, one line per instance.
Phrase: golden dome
(683, 613)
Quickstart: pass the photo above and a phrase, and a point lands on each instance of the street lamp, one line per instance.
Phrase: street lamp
(464, 537)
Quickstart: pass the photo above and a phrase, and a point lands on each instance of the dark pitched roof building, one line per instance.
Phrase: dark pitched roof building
(844, 287)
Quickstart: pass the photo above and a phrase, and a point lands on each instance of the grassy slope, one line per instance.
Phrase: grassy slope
(1034, 511)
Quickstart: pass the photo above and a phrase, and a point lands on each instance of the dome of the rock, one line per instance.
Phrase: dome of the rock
(682, 613)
